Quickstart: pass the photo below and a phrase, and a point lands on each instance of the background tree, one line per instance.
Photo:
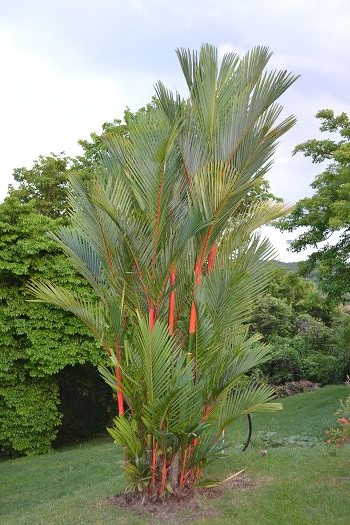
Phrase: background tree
(37, 342)
(307, 330)
(326, 214)
(45, 184)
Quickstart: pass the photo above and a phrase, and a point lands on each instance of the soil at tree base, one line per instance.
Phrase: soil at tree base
(178, 509)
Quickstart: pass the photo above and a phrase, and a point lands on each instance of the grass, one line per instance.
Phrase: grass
(310, 414)
(290, 486)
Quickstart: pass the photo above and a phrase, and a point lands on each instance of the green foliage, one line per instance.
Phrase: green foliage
(340, 435)
(292, 362)
(290, 286)
(315, 334)
(273, 317)
(29, 416)
(309, 334)
(164, 232)
(328, 211)
(324, 369)
(36, 341)
(286, 364)
(45, 184)
(341, 332)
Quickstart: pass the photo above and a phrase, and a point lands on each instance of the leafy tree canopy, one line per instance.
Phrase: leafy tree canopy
(45, 184)
(326, 214)
(36, 341)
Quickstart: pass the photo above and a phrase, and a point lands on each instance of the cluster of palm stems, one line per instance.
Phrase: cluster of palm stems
(165, 234)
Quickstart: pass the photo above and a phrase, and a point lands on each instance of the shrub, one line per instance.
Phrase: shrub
(340, 435)
(295, 387)
(323, 369)
(316, 335)
(273, 317)
(287, 362)
(29, 416)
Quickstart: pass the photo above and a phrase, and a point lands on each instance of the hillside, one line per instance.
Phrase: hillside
(287, 486)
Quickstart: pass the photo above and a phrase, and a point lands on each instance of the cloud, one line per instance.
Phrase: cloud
(43, 110)
(137, 5)
(280, 241)
(69, 65)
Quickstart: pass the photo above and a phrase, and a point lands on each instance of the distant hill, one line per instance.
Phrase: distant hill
(291, 266)
(294, 267)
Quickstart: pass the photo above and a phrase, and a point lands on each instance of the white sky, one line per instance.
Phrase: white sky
(67, 66)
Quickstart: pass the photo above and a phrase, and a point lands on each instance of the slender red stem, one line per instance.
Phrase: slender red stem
(164, 474)
(198, 274)
(120, 397)
(199, 265)
(197, 474)
(139, 273)
(160, 297)
(207, 411)
(152, 317)
(193, 319)
(172, 300)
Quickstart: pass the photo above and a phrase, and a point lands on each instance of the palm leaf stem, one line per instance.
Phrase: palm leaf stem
(172, 299)
(211, 257)
(182, 470)
(108, 253)
(185, 166)
(160, 296)
(153, 466)
(152, 316)
(118, 376)
(199, 265)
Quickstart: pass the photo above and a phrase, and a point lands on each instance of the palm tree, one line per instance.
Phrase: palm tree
(165, 237)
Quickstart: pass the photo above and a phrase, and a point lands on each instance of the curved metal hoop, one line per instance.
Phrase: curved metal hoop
(250, 430)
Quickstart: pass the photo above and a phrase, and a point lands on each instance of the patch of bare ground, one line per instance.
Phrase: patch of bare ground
(181, 509)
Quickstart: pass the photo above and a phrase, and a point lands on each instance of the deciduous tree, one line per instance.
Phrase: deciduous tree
(326, 215)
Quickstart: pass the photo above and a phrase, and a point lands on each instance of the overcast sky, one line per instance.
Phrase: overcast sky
(67, 66)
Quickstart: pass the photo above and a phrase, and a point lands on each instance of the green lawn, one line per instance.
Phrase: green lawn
(292, 486)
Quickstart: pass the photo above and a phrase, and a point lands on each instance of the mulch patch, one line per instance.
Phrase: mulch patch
(185, 509)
